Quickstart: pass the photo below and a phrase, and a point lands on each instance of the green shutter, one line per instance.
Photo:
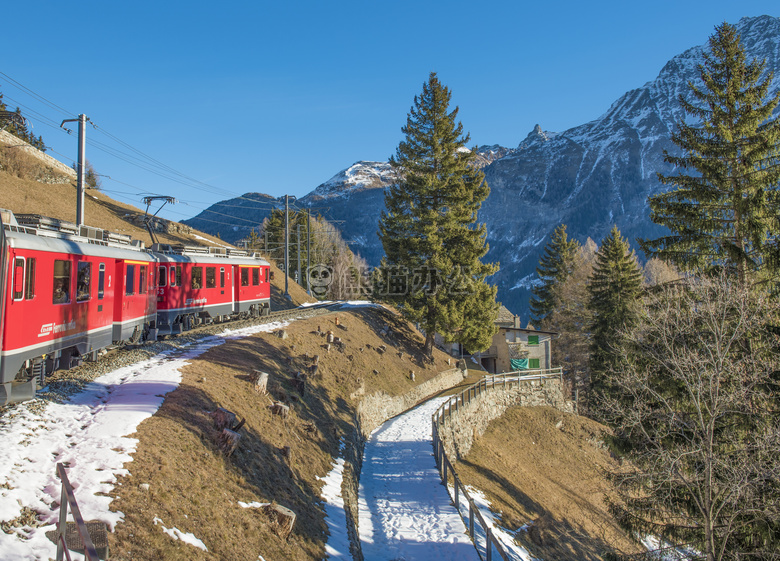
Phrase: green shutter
(533, 363)
(533, 340)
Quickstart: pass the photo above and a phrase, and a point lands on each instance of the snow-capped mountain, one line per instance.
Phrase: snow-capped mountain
(358, 177)
(599, 173)
(588, 177)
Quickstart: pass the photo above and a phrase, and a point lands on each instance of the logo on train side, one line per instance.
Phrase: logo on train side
(49, 328)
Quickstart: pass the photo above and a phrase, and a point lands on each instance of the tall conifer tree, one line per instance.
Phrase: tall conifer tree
(614, 288)
(554, 268)
(432, 267)
(725, 203)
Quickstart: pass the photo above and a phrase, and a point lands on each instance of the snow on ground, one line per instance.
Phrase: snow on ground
(335, 516)
(89, 434)
(405, 511)
(177, 534)
(514, 551)
(212, 242)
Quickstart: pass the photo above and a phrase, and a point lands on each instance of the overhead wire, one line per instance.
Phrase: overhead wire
(141, 160)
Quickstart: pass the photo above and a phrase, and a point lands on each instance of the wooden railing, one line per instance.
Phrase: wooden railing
(68, 499)
(478, 529)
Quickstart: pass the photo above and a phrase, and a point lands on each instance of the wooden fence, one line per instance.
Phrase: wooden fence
(479, 530)
(68, 499)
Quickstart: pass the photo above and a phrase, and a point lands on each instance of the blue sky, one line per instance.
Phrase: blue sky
(279, 97)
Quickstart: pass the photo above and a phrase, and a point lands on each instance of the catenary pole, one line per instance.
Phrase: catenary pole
(81, 166)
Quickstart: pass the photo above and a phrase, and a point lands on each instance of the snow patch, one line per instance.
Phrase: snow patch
(177, 534)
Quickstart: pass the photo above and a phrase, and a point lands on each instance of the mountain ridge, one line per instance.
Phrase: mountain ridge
(589, 177)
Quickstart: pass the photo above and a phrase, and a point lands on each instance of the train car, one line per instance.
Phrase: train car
(200, 285)
(67, 291)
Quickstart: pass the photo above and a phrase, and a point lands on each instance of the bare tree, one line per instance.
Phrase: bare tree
(659, 272)
(571, 318)
(697, 415)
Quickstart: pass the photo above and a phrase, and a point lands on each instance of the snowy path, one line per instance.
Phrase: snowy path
(405, 511)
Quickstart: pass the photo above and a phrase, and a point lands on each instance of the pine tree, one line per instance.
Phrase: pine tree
(432, 267)
(554, 268)
(614, 289)
(722, 210)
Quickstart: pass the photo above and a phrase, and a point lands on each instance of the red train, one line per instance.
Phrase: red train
(66, 292)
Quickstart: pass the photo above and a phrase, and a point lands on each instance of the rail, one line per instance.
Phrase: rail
(446, 470)
(68, 499)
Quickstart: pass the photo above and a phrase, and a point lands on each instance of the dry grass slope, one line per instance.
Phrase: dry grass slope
(542, 465)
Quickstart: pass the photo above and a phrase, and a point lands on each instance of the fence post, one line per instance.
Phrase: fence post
(489, 543)
(471, 518)
(63, 521)
(457, 485)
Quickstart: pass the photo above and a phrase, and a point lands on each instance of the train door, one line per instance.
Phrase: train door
(235, 287)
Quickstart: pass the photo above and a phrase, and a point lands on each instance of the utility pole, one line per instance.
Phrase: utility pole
(298, 251)
(287, 246)
(308, 250)
(81, 167)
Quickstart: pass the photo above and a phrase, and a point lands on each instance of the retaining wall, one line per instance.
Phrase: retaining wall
(10, 140)
(471, 420)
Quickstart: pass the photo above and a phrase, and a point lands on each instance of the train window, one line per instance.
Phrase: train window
(266, 274)
(163, 275)
(244, 276)
(222, 277)
(101, 280)
(83, 278)
(142, 280)
(255, 276)
(197, 277)
(178, 275)
(29, 284)
(130, 280)
(211, 277)
(18, 278)
(173, 275)
(61, 282)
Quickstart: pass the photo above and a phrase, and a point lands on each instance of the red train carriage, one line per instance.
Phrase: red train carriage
(66, 291)
(200, 285)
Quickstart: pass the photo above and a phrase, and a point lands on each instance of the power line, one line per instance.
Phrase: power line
(36, 95)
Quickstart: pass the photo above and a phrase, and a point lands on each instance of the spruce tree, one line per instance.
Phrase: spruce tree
(554, 268)
(615, 287)
(432, 269)
(724, 205)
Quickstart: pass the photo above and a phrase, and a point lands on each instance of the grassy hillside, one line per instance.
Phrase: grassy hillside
(539, 465)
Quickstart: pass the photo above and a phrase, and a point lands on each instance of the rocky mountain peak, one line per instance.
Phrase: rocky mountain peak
(536, 136)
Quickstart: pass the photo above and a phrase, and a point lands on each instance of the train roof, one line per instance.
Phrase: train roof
(202, 254)
(43, 233)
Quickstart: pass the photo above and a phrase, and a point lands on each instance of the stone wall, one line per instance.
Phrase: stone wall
(471, 420)
(8, 139)
(375, 409)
